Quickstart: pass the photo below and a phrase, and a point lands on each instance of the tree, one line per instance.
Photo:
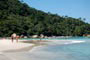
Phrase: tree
(17, 16)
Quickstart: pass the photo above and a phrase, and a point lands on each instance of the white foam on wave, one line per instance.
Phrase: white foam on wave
(73, 42)
(57, 42)
(78, 41)
(66, 41)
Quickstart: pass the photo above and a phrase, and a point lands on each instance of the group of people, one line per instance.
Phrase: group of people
(14, 36)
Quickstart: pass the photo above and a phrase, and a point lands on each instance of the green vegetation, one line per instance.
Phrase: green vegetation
(18, 17)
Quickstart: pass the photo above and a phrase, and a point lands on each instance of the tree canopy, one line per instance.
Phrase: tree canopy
(18, 17)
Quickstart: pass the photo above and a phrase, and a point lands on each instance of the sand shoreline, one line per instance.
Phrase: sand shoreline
(26, 45)
(7, 46)
(20, 50)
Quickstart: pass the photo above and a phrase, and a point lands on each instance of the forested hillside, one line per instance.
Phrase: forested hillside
(18, 17)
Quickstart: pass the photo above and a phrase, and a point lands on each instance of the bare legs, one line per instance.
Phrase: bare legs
(17, 40)
(12, 38)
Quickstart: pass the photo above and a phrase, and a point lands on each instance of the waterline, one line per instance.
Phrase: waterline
(74, 51)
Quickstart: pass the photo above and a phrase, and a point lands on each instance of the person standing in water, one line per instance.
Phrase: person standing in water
(14, 36)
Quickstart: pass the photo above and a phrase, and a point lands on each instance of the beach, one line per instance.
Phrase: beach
(6, 46)
(10, 50)
(28, 50)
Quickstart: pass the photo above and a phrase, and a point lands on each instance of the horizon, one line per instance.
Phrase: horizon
(71, 8)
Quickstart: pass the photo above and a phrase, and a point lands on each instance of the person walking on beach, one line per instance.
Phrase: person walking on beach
(17, 37)
(14, 36)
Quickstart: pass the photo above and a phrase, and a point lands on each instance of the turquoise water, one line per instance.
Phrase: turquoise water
(77, 51)
(69, 38)
(65, 52)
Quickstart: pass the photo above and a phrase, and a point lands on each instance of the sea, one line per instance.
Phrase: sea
(74, 51)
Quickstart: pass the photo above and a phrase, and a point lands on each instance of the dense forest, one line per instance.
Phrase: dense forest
(17, 17)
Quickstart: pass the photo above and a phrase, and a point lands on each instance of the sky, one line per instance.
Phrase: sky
(71, 8)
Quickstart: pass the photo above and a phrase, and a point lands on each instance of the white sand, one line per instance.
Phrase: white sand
(7, 48)
(6, 44)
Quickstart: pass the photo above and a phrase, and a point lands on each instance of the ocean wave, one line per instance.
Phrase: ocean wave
(57, 42)
(53, 42)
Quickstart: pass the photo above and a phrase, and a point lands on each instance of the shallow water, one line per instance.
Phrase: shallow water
(67, 51)
(59, 38)
(80, 51)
